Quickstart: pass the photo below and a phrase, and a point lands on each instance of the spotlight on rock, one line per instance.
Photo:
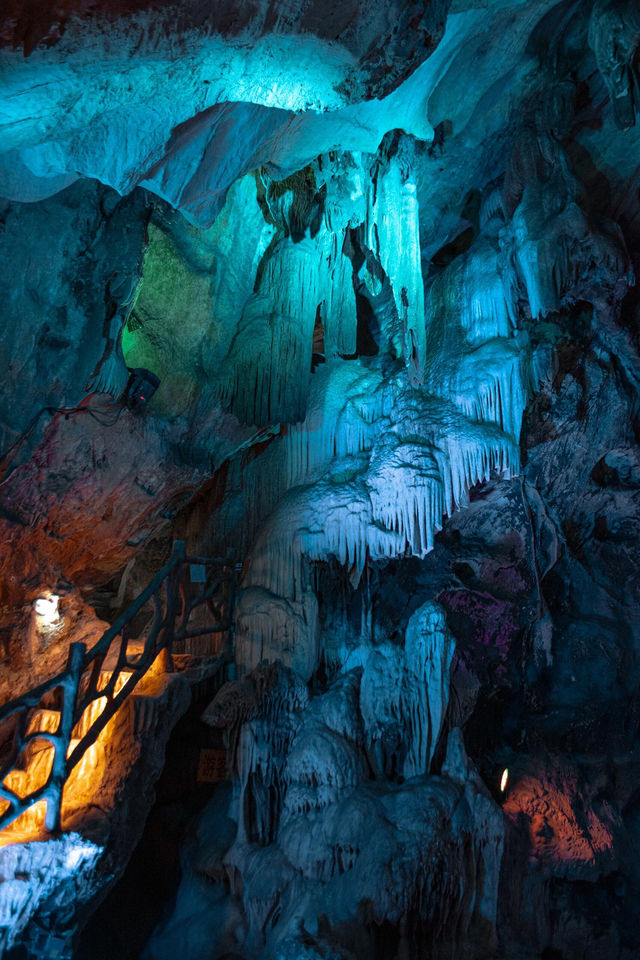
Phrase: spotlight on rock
(504, 780)
(46, 609)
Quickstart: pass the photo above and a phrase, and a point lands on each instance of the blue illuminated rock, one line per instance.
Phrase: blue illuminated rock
(382, 261)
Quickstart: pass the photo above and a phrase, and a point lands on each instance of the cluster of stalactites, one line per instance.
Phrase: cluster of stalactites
(305, 287)
(377, 490)
(379, 460)
(536, 253)
(379, 457)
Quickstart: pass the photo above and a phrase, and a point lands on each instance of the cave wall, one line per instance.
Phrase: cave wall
(383, 263)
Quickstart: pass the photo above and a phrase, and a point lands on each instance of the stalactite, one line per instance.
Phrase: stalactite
(472, 294)
(346, 401)
(269, 361)
(337, 308)
(468, 455)
(405, 487)
(488, 384)
(393, 235)
(314, 523)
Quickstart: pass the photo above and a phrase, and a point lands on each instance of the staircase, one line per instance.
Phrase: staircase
(52, 735)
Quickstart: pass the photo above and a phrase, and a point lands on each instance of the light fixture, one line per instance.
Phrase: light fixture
(78, 853)
(141, 387)
(46, 609)
(504, 779)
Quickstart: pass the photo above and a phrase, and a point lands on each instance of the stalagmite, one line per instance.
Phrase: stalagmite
(404, 695)
(428, 652)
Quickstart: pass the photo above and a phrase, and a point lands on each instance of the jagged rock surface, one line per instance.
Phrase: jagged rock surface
(384, 263)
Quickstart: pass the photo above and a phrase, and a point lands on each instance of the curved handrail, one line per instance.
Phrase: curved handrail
(79, 683)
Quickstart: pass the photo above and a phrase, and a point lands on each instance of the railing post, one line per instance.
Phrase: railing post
(58, 774)
(179, 549)
(173, 592)
(164, 661)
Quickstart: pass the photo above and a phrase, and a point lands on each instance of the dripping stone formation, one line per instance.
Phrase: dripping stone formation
(320, 480)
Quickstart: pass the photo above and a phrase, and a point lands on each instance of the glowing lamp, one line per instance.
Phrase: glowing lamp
(503, 780)
(74, 858)
(46, 609)
(79, 853)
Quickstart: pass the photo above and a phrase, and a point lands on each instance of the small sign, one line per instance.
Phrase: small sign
(198, 572)
(212, 767)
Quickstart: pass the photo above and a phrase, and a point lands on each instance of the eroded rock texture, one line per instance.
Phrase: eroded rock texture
(383, 263)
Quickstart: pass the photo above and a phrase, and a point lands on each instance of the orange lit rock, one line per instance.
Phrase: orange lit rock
(569, 831)
(90, 496)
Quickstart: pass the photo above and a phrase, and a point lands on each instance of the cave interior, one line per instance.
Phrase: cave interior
(320, 480)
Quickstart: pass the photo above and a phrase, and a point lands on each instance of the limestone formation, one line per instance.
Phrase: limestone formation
(343, 298)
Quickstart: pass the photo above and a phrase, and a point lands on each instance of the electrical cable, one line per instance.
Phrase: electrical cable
(10, 453)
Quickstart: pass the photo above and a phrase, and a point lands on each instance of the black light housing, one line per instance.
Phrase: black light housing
(141, 387)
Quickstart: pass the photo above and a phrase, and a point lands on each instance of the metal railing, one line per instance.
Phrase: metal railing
(49, 715)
